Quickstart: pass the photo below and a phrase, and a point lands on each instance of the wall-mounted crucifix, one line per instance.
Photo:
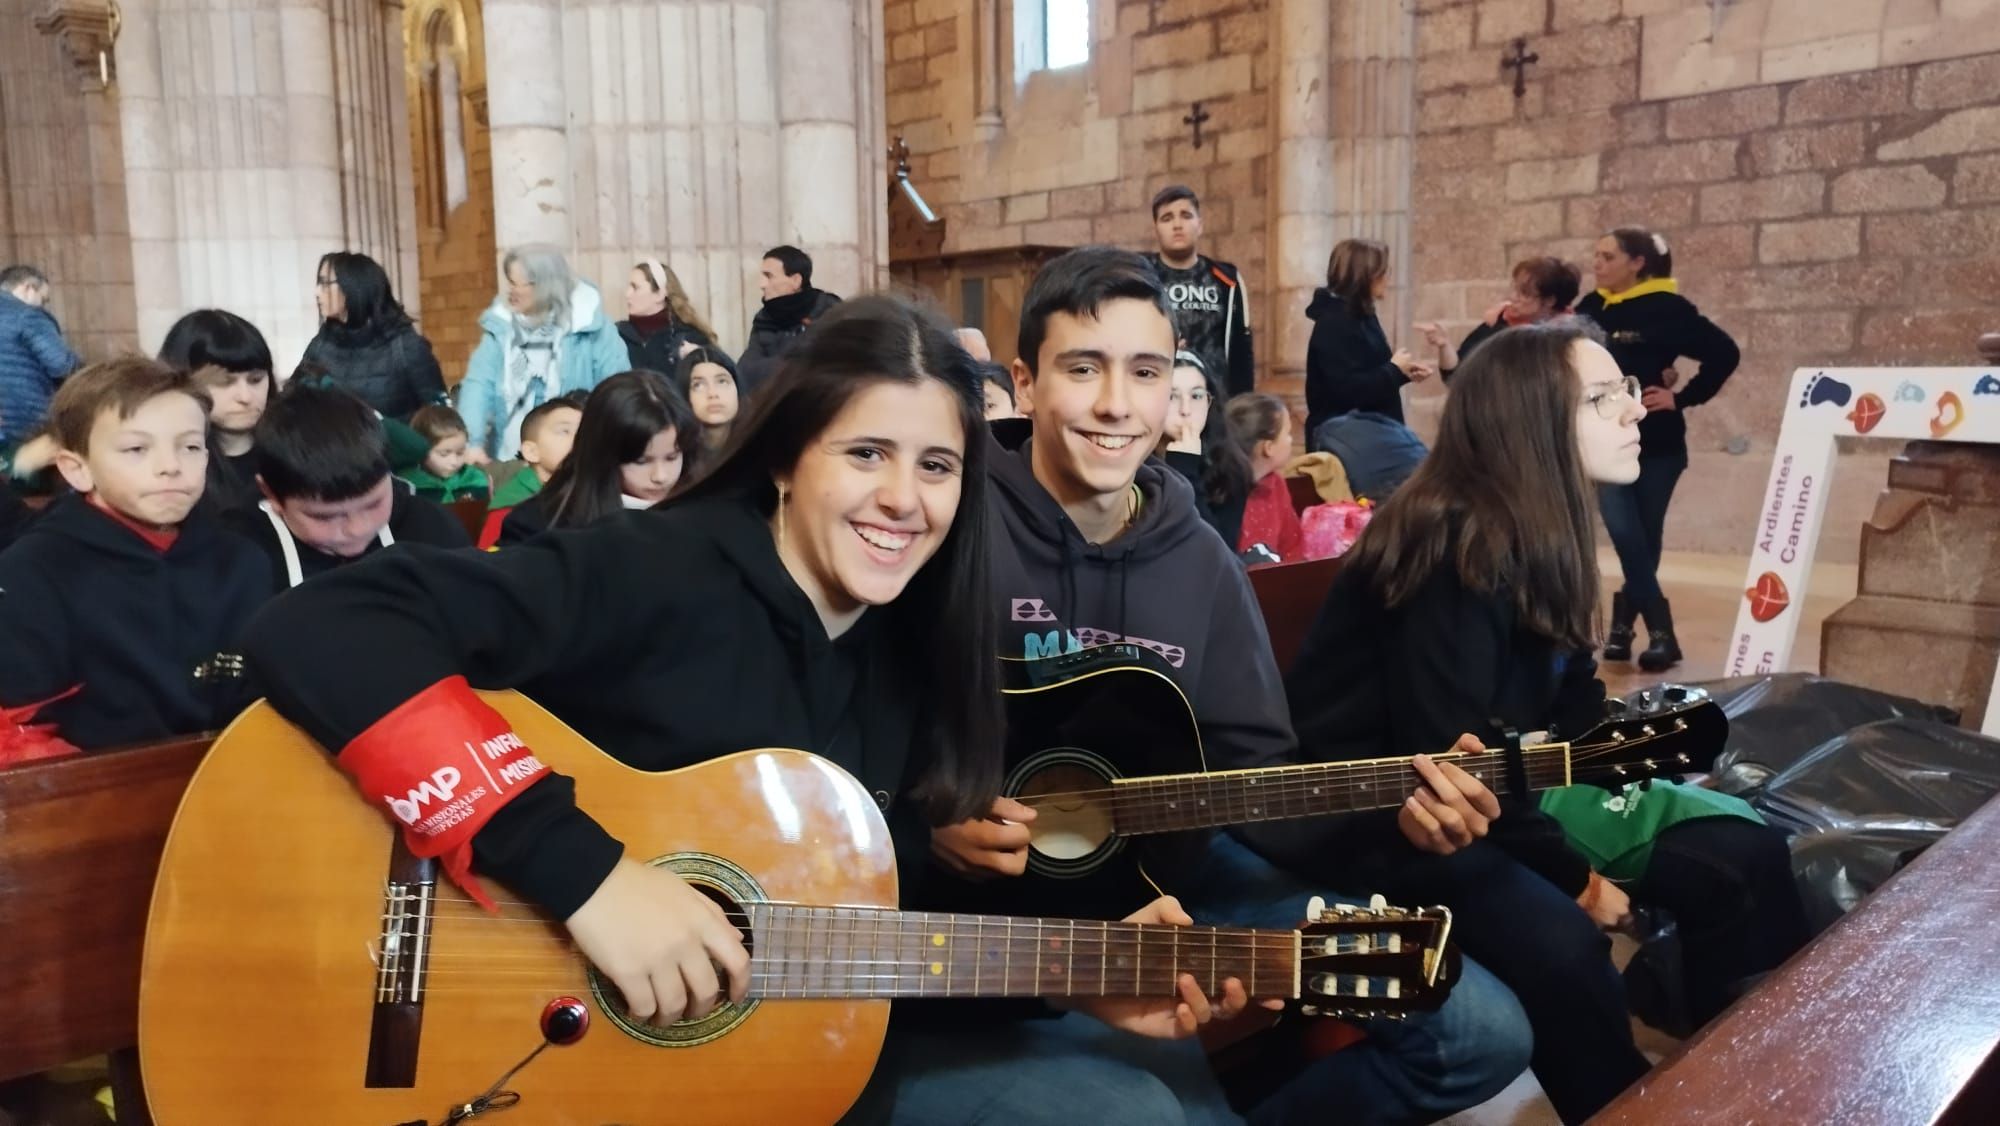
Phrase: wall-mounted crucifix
(1518, 63)
(1195, 117)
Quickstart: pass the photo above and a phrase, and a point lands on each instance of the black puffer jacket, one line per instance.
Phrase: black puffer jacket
(774, 330)
(661, 351)
(388, 364)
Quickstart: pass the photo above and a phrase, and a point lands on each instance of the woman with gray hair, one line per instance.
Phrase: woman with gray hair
(544, 336)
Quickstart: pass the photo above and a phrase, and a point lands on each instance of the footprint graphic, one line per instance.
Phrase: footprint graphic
(1825, 389)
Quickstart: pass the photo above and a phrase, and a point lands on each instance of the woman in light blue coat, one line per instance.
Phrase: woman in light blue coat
(544, 336)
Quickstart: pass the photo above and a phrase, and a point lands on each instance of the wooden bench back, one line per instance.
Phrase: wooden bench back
(1290, 595)
(472, 514)
(80, 841)
(1892, 1015)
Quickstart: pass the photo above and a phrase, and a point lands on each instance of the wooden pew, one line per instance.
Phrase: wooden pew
(1302, 492)
(1891, 1017)
(472, 514)
(1290, 595)
(80, 841)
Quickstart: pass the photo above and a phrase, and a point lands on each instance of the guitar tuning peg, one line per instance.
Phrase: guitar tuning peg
(1377, 902)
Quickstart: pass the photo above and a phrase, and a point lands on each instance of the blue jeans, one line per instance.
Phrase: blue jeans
(1068, 1071)
(1419, 1069)
(1635, 517)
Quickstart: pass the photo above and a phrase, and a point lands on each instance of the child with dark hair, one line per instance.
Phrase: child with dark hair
(323, 469)
(637, 440)
(126, 599)
(706, 378)
(1094, 538)
(1197, 444)
(229, 359)
(998, 387)
(1262, 426)
(445, 476)
(547, 434)
(367, 341)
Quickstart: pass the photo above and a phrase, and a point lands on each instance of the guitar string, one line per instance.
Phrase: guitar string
(1547, 762)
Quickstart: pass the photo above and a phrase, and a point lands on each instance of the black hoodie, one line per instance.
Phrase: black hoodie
(776, 327)
(1347, 364)
(412, 519)
(151, 635)
(1168, 583)
(729, 656)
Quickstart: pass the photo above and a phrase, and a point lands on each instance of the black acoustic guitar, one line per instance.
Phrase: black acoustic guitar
(1103, 744)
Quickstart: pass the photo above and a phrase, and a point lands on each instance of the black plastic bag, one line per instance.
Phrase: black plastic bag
(1776, 720)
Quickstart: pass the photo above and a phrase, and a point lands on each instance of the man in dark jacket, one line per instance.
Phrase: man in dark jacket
(790, 305)
(33, 357)
(1095, 541)
(1210, 303)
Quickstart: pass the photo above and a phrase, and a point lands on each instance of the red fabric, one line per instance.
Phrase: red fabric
(489, 533)
(21, 741)
(444, 762)
(159, 540)
(1268, 518)
(1330, 529)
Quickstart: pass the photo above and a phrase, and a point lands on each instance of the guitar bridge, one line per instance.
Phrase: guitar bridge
(402, 965)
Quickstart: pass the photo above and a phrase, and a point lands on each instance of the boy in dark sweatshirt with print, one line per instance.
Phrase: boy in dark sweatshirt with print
(1209, 301)
(1094, 540)
(126, 595)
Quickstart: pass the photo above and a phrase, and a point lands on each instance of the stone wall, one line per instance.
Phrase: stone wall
(1074, 156)
(1841, 216)
(62, 184)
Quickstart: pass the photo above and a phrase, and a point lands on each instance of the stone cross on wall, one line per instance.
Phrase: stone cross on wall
(1195, 117)
(1518, 63)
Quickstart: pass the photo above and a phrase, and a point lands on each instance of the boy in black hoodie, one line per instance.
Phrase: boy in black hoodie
(323, 467)
(1094, 541)
(126, 592)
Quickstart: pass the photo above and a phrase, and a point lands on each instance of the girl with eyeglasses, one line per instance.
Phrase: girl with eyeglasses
(1648, 325)
(1469, 605)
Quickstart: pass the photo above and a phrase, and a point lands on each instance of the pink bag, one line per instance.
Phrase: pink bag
(1330, 529)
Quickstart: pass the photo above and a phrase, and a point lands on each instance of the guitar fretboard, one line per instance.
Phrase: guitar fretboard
(1206, 801)
(803, 951)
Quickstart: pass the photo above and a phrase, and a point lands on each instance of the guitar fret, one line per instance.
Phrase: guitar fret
(1007, 963)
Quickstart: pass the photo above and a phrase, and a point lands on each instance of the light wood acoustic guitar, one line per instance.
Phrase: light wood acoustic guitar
(301, 967)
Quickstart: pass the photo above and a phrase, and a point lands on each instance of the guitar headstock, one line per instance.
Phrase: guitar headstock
(1660, 732)
(1375, 961)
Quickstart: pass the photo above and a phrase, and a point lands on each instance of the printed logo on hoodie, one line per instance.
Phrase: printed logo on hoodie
(1053, 643)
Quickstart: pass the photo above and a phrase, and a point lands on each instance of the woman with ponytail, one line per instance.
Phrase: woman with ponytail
(660, 324)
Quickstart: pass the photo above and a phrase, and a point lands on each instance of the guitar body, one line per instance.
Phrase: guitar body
(1076, 723)
(257, 998)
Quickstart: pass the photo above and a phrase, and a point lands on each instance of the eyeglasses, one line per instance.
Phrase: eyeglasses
(1610, 398)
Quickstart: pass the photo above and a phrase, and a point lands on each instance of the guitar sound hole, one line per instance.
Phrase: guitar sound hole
(1072, 828)
(728, 887)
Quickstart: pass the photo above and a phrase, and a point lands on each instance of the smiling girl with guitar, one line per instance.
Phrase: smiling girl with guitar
(1468, 605)
(823, 588)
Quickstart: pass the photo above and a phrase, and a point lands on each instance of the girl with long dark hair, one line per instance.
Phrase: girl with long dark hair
(823, 587)
(637, 441)
(1468, 605)
(1648, 325)
(366, 343)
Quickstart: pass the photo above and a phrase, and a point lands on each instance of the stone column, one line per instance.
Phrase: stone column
(372, 118)
(525, 103)
(233, 159)
(1302, 185)
(821, 97)
(1374, 130)
(986, 123)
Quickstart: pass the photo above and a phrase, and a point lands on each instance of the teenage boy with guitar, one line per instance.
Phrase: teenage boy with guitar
(1094, 541)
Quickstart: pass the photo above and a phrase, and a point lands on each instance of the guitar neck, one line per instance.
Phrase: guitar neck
(1237, 797)
(854, 952)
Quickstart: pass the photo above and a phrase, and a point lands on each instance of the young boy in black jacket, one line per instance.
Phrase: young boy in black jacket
(1093, 541)
(125, 591)
(1210, 302)
(323, 467)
